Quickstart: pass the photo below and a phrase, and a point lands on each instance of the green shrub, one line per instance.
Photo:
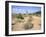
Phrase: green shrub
(19, 16)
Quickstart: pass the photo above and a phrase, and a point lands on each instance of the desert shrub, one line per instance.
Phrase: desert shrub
(13, 24)
(19, 16)
(40, 24)
(28, 26)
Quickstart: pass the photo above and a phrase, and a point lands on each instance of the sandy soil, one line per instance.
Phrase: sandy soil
(18, 26)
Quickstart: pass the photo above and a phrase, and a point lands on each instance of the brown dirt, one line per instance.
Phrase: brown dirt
(18, 26)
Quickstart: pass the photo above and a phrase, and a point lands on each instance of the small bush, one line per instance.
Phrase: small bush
(28, 26)
(19, 16)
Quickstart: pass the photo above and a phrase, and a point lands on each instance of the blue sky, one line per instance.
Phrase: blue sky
(24, 9)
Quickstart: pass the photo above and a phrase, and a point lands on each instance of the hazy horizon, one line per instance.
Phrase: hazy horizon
(24, 9)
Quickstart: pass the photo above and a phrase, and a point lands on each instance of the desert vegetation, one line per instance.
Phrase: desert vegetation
(26, 21)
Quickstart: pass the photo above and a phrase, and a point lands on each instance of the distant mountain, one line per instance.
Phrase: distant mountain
(39, 12)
